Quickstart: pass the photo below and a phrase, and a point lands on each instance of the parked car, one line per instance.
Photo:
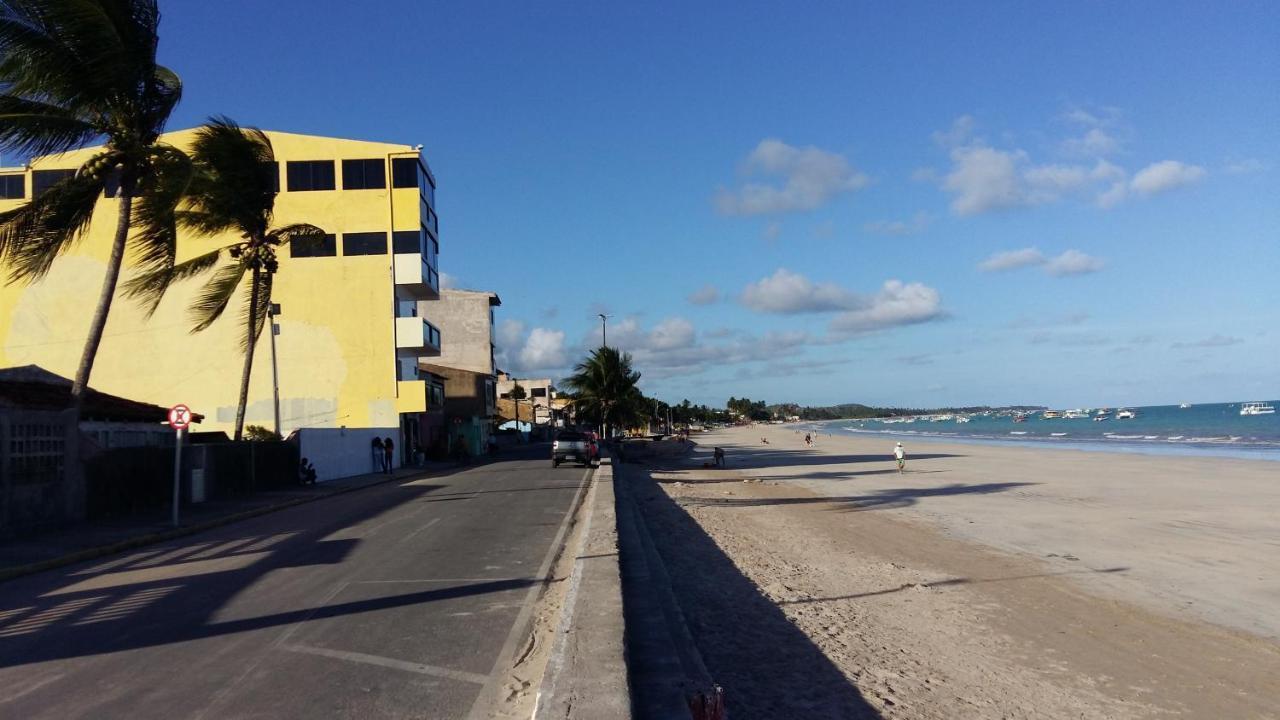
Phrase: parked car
(570, 445)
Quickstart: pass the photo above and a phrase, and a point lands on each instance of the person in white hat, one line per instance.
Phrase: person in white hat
(900, 453)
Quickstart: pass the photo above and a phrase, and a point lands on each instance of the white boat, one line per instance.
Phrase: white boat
(1100, 417)
(1050, 414)
(1125, 414)
(1257, 408)
(1184, 406)
(962, 419)
(1075, 414)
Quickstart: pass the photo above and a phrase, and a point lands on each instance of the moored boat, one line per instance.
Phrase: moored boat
(1124, 414)
(1257, 408)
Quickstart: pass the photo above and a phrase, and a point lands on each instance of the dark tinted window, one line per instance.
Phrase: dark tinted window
(538, 392)
(363, 175)
(323, 246)
(13, 187)
(366, 243)
(310, 175)
(406, 241)
(404, 172)
(42, 180)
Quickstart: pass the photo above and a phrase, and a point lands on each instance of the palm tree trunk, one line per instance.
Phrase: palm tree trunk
(99, 322)
(251, 339)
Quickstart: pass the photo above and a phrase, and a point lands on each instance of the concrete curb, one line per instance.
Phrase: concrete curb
(586, 675)
(158, 537)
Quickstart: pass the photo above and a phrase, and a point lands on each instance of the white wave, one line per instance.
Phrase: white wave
(1057, 434)
(1174, 437)
(1017, 432)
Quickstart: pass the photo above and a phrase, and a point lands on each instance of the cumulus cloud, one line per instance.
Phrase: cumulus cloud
(1212, 341)
(805, 178)
(983, 179)
(544, 350)
(896, 304)
(1072, 262)
(789, 293)
(705, 295)
(1012, 260)
(1096, 142)
(1165, 175)
(899, 228)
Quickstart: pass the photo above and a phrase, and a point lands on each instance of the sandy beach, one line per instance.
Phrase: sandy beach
(982, 582)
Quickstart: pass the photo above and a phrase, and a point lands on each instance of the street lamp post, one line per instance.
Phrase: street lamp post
(604, 330)
(273, 310)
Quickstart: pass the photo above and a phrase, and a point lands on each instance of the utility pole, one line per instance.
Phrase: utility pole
(272, 311)
(604, 330)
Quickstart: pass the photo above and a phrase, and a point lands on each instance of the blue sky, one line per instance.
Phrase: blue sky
(889, 203)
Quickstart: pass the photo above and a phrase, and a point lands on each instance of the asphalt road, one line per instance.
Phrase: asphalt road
(394, 601)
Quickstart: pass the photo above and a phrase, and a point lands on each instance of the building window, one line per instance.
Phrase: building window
(538, 392)
(436, 397)
(42, 180)
(323, 246)
(406, 241)
(364, 175)
(13, 187)
(404, 172)
(310, 175)
(36, 452)
(364, 243)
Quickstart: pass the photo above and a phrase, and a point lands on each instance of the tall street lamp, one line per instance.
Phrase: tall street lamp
(604, 330)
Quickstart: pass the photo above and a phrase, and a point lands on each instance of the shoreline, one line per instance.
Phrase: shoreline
(1195, 534)
(1154, 448)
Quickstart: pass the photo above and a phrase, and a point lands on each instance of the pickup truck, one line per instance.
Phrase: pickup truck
(571, 445)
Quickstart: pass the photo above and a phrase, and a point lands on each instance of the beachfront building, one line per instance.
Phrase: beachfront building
(541, 405)
(353, 305)
(466, 363)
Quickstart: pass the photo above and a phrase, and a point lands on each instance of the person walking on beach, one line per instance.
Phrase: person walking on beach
(808, 440)
(900, 453)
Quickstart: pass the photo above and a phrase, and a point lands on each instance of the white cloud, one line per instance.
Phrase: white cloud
(705, 295)
(1209, 342)
(899, 227)
(1244, 166)
(544, 350)
(672, 333)
(789, 293)
(1165, 175)
(983, 179)
(810, 177)
(1012, 260)
(896, 304)
(1070, 262)
(959, 133)
(447, 281)
(1096, 142)
(1073, 262)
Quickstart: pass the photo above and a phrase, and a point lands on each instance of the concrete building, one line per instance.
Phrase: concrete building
(352, 324)
(541, 403)
(466, 363)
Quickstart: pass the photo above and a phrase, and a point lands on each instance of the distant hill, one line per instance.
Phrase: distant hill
(857, 411)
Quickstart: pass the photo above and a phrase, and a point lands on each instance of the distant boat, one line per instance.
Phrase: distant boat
(1257, 408)
(1184, 406)
(1125, 414)
(962, 419)
(1075, 414)
(1020, 417)
(1100, 417)
(1051, 414)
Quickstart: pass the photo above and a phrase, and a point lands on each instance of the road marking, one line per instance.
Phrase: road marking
(413, 667)
(522, 619)
(421, 527)
(30, 688)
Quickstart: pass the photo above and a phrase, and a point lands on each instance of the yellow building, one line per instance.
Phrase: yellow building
(349, 334)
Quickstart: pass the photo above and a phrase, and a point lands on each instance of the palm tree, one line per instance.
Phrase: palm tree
(231, 191)
(604, 388)
(75, 73)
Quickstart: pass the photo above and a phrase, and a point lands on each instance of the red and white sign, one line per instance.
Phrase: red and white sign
(179, 417)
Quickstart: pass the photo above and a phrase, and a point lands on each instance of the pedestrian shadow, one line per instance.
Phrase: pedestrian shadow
(767, 666)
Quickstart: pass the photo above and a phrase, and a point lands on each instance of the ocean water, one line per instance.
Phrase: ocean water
(1216, 430)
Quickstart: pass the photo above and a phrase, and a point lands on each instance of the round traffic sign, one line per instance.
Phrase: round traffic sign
(179, 417)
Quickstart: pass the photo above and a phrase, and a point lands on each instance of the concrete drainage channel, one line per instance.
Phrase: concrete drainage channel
(621, 648)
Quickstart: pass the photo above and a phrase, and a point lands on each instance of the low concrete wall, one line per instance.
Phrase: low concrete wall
(343, 452)
(586, 676)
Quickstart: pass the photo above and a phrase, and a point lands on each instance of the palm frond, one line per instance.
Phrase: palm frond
(33, 235)
(149, 287)
(296, 231)
(230, 187)
(158, 193)
(31, 128)
(216, 295)
(259, 312)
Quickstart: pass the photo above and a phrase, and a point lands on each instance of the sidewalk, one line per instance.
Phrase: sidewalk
(85, 541)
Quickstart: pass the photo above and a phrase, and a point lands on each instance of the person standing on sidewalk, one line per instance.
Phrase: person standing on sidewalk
(389, 457)
(379, 455)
